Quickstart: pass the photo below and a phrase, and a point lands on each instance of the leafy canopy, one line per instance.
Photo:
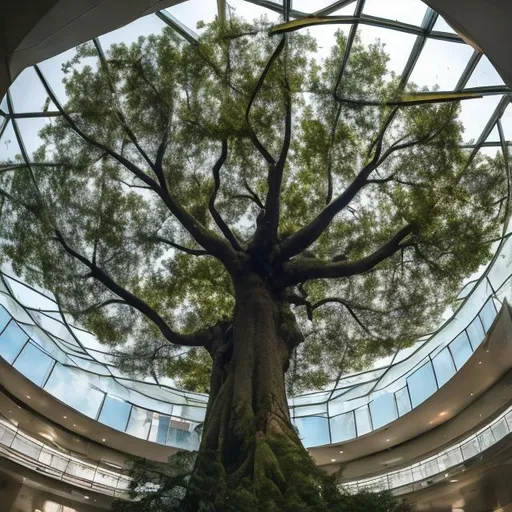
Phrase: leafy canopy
(172, 156)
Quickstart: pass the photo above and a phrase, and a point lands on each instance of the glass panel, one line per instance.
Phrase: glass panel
(81, 471)
(403, 401)
(4, 317)
(182, 435)
(363, 421)
(476, 333)
(11, 342)
(343, 427)
(470, 449)
(486, 439)
(6, 435)
(159, 428)
(140, 421)
(115, 412)
(383, 410)
(487, 315)
(74, 388)
(27, 447)
(443, 366)
(314, 431)
(400, 478)
(500, 429)
(52, 459)
(449, 459)
(34, 364)
(460, 349)
(422, 384)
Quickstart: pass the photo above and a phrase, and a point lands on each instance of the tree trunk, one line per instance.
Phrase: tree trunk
(251, 457)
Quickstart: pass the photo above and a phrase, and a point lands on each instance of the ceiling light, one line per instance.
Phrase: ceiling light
(471, 394)
(28, 396)
(446, 475)
(341, 451)
(65, 417)
(453, 481)
(479, 362)
(444, 413)
(74, 424)
(387, 440)
(103, 440)
(333, 460)
(86, 497)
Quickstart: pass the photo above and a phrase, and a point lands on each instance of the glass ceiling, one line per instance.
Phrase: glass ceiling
(41, 344)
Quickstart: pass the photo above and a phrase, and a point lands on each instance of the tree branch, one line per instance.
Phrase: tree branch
(211, 204)
(252, 134)
(305, 269)
(198, 339)
(275, 173)
(193, 252)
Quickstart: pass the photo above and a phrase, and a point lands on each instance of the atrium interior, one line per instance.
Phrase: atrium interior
(431, 422)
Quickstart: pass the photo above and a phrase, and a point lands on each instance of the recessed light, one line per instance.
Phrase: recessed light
(341, 451)
(453, 481)
(387, 440)
(446, 475)
(86, 497)
(444, 413)
(74, 424)
(479, 362)
(333, 460)
(103, 440)
(28, 396)
(10, 412)
(471, 394)
(65, 417)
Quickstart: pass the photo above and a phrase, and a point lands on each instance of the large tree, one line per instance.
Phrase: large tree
(241, 199)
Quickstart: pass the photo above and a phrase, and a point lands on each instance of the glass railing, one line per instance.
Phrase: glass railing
(46, 460)
(444, 465)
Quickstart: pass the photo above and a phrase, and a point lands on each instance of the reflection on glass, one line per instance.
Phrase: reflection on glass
(26, 446)
(314, 430)
(443, 366)
(460, 349)
(115, 412)
(182, 434)
(140, 422)
(159, 428)
(500, 429)
(383, 410)
(403, 401)
(11, 342)
(486, 439)
(74, 389)
(34, 364)
(343, 427)
(363, 421)
(422, 384)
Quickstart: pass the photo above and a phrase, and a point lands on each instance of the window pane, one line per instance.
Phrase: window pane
(383, 410)
(182, 434)
(74, 388)
(475, 332)
(422, 384)
(115, 412)
(460, 349)
(500, 429)
(314, 431)
(11, 342)
(403, 401)
(26, 446)
(34, 364)
(443, 366)
(140, 421)
(4, 317)
(343, 427)
(487, 315)
(486, 439)
(159, 428)
(363, 422)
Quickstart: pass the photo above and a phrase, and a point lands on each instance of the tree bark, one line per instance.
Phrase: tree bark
(249, 442)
